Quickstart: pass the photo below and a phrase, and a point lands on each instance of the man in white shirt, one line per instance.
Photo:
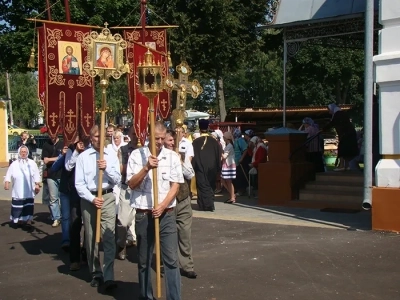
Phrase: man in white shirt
(139, 179)
(87, 168)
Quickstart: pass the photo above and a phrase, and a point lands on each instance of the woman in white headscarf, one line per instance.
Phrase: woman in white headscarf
(347, 148)
(24, 175)
(116, 143)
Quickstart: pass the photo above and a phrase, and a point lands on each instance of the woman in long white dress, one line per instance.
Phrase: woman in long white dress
(24, 175)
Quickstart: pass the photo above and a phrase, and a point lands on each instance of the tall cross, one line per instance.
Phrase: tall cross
(183, 87)
(53, 118)
(87, 119)
(70, 126)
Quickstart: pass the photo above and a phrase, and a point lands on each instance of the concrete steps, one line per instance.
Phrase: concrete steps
(333, 190)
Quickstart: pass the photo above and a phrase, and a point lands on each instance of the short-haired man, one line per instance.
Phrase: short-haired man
(29, 141)
(139, 178)
(51, 149)
(183, 212)
(86, 173)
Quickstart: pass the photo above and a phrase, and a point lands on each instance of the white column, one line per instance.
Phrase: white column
(387, 76)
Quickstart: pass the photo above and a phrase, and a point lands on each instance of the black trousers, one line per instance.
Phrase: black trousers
(76, 226)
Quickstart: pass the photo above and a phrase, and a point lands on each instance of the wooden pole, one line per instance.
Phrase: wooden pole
(143, 19)
(67, 12)
(155, 196)
(103, 85)
(48, 10)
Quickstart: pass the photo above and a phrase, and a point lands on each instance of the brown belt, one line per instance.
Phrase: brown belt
(149, 211)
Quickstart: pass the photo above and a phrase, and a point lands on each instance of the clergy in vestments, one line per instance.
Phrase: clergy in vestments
(206, 164)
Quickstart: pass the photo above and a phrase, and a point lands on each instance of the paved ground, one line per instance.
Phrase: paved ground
(234, 260)
(241, 251)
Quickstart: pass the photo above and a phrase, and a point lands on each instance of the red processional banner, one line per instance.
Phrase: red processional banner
(66, 91)
(156, 41)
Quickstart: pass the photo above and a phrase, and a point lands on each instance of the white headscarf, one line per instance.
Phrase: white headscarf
(333, 109)
(115, 147)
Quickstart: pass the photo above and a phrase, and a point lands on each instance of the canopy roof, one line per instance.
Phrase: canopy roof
(273, 115)
(285, 13)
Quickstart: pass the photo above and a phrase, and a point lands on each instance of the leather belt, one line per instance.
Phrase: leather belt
(103, 192)
(149, 211)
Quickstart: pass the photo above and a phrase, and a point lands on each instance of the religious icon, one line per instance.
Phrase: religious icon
(105, 56)
(69, 54)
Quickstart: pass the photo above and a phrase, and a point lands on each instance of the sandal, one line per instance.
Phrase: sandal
(229, 201)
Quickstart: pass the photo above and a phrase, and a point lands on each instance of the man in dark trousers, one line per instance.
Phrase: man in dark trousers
(206, 164)
(51, 150)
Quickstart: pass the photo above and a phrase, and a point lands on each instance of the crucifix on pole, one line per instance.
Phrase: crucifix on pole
(183, 88)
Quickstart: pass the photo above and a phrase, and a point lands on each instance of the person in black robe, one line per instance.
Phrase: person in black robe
(347, 148)
(206, 164)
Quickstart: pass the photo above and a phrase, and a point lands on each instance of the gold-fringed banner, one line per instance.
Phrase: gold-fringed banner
(68, 89)
(155, 39)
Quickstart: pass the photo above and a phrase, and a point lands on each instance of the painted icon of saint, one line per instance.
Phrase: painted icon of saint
(70, 64)
(105, 59)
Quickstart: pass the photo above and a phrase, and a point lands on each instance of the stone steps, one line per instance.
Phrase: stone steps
(333, 190)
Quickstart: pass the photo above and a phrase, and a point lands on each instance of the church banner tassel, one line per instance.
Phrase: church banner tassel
(31, 62)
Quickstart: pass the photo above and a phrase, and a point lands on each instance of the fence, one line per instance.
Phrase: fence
(40, 140)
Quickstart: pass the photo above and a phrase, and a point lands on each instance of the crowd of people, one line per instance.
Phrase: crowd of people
(187, 166)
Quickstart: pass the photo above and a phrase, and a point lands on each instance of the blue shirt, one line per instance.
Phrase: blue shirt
(86, 172)
(240, 145)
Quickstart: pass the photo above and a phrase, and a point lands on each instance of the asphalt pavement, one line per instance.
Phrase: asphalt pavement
(241, 251)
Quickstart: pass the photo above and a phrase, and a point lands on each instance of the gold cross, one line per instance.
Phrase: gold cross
(105, 24)
(183, 86)
(53, 118)
(164, 104)
(70, 126)
(87, 118)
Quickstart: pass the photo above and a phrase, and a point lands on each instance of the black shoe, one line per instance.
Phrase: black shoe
(96, 282)
(189, 274)
(110, 285)
(65, 247)
(121, 254)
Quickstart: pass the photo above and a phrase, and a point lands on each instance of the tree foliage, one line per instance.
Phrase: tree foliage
(23, 89)
(237, 64)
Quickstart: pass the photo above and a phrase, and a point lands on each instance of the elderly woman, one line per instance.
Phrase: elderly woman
(347, 148)
(25, 178)
(228, 167)
(314, 150)
(260, 153)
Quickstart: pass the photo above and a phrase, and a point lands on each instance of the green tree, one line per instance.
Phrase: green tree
(215, 36)
(25, 103)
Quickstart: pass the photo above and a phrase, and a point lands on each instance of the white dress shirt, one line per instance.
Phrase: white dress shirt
(186, 146)
(86, 172)
(169, 170)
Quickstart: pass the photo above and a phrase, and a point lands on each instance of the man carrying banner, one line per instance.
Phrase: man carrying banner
(139, 179)
(86, 172)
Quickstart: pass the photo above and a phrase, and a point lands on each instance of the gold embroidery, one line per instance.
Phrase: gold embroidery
(159, 37)
(71, 83)
(70, 127)
(133, 36)
(53, 118)
(80, 37)
(51, 56)
(84, 80)
(54, 77)
(87, 119)
(53, 36)
(68, 32)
